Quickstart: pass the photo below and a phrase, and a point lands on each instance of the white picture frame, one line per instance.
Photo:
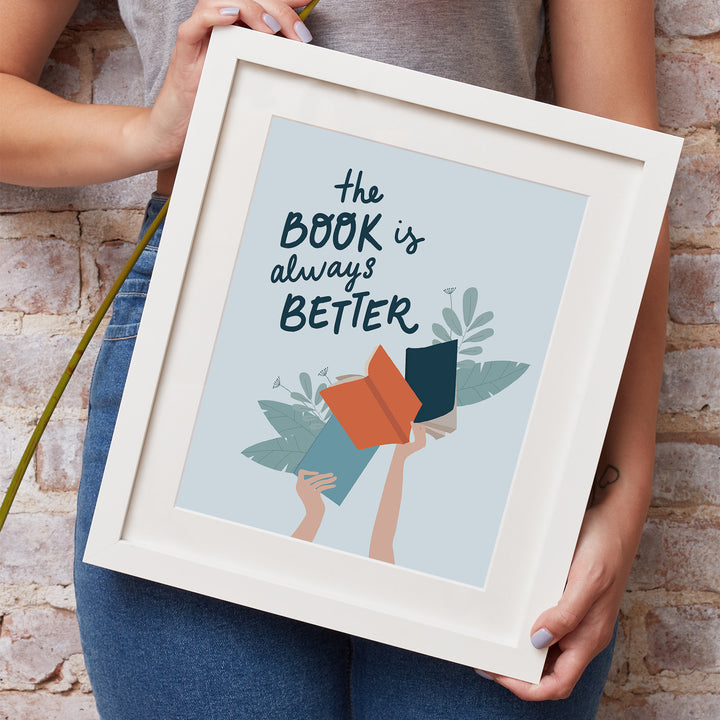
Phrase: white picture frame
(623, 174)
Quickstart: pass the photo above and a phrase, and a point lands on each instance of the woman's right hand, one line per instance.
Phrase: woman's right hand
(47, 141)
(166, 125)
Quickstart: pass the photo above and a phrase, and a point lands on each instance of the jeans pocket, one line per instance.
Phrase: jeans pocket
(127, 309)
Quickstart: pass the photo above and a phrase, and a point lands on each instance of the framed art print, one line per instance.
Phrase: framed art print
(380, 349)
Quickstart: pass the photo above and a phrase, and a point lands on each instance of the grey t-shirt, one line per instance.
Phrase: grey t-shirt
(491, 43)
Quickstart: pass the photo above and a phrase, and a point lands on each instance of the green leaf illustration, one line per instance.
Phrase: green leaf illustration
(440, 332)
(470, 298)
(306, 383)
(466, 364)
(471, 351)
(298, 397)
(452, 320)
(318, 396)
(480, 336)
(280, 453)
(481, 319)
(290, 421)
(484, 380)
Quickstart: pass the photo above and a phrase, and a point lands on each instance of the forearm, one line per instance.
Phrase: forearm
(308, 527)
(604, 64)
(383, 534)
(630, 441)
(47, 141)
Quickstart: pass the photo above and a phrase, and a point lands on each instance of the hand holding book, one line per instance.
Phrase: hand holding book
(309, 487)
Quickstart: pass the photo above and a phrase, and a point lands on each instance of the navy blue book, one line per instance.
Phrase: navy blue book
(333, 451)
(431, 372)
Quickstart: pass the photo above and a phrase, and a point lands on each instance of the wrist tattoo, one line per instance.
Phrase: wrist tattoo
(609, 476)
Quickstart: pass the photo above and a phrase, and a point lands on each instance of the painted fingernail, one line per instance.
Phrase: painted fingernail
(483, 674)
(229, 11)
(271, 22)
(541, 638)
(302, 32)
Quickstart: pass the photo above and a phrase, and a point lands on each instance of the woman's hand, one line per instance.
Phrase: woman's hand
(166, 125)
(581, 625)
(603, 62)
(47, 141)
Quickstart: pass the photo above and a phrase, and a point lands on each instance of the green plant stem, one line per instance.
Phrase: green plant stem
(307, 9)
(11, 492)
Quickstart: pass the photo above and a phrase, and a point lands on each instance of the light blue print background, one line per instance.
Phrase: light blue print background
(511, 239)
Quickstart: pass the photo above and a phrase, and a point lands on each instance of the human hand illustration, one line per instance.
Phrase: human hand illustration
(309, 487)
(404, 451)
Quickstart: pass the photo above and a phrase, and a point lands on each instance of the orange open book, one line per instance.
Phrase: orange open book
(377, 409)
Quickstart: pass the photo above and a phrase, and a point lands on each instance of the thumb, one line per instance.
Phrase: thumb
(555, 623)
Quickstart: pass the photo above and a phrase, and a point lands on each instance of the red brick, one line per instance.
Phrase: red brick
(63, 225)
(663, 706)
(104, 225)
(683, 639)
(688, 88)
(691, 380)
(695, 197)
(688, 17)
(39, 276)
(59, 455)
(686, 474)
(37, 548)
(131, 192)
(35, 642)
(678, 554)
(613, 710)
(61, 75)
(42, 706)
(111, 258)
(31, 366)
(8, 454)
(96, 15)
(695, 288)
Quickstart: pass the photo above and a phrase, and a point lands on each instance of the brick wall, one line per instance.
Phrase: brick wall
(668, 666)
(60, 249)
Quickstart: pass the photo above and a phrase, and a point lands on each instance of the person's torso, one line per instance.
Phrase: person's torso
(491, 43)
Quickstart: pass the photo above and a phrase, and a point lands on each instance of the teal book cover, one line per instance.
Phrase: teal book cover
(380, 349)
(334, 451)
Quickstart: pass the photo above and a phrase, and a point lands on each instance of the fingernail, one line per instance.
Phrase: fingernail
(541, 638)
(302, 32)
(483, 674)
(229, 11)
(271, 22)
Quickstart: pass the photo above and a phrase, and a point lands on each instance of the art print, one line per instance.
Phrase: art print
(379, 352)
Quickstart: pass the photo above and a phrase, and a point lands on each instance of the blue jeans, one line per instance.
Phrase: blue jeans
(157, 653)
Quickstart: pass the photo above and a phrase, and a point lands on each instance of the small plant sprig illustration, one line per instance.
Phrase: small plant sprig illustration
(467, 339)
(297, 425)
(309, 398)
(476, 381)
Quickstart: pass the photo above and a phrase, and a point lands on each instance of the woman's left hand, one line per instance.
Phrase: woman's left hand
(161, 133)
(581, 625)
